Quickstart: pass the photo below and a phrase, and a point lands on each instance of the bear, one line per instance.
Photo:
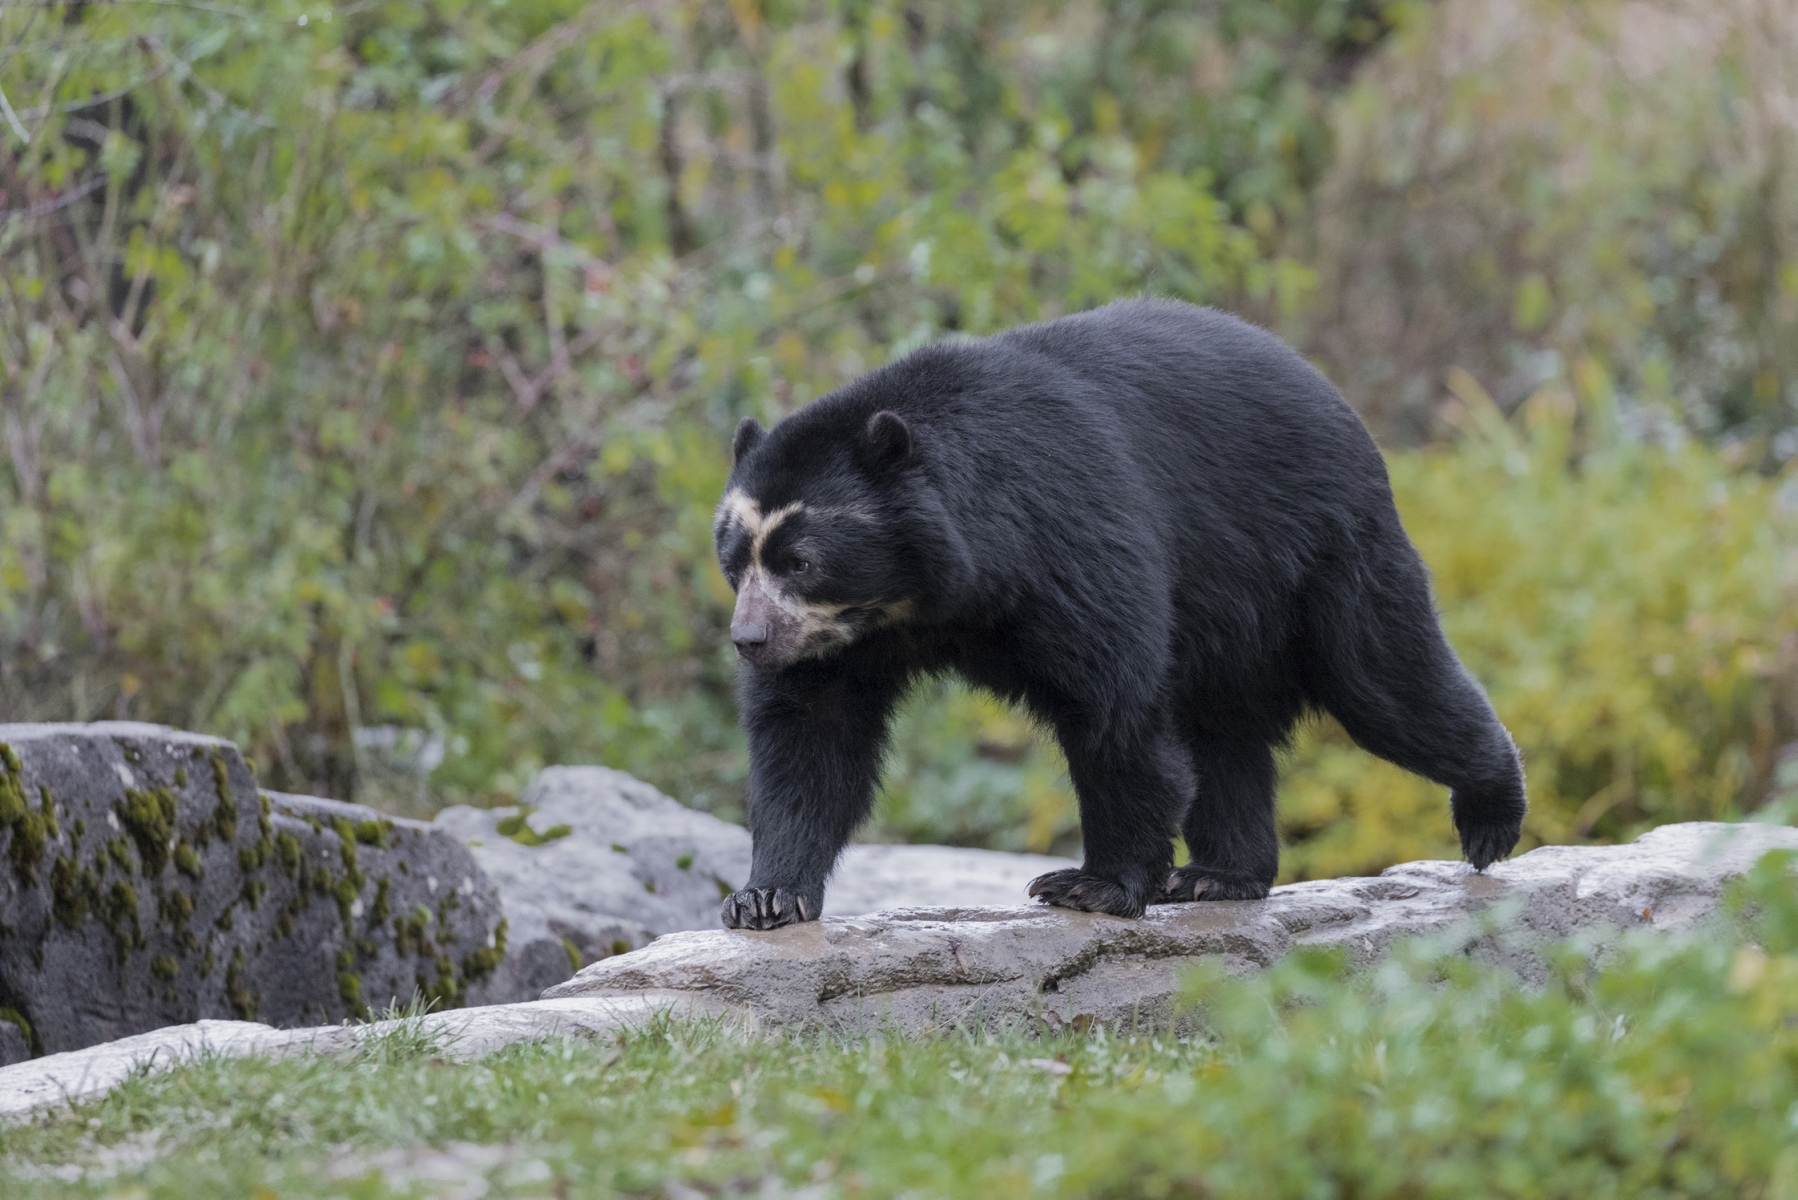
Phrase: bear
(1154, 526)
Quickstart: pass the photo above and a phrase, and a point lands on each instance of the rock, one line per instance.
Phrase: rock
(58, 1080)
(76, 1075)
(872, 879)
(15, 1042)
(145, 881)
(594, 863)
(930, 968)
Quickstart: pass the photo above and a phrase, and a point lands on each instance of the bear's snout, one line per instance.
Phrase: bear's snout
(758, 628)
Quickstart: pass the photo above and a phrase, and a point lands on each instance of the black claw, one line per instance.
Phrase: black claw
(1486, 844)
(1190, 883)
(765, 908)
(1074, 888)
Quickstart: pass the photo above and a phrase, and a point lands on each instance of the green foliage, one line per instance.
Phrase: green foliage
(377, 369)
(1667, 1067)
(1531, 190)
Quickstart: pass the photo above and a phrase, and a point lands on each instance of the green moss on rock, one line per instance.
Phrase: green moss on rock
(238, 995)
(349, 983)
(346, 837)
(30, 834)
(409, 933)
(290, 852)
(377, 916)
(482, 962)
(119, 914)
(373, 833)
(187, 861)
(224, 813)
(31, 830)
(73, 891)
(17, 1018)
(176, 909)
(164, 967)
(149, 817)
(517, 827)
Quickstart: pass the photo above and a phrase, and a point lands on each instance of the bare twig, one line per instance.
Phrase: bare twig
(45, 207)
(535, 58)
(12, 118)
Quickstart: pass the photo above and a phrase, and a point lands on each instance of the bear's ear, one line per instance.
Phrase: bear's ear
(887, 442)
(749, 435)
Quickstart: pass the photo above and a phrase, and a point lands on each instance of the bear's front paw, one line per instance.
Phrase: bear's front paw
(1486, 843)
(1193, 882)
(1074, 888)
(769, 908)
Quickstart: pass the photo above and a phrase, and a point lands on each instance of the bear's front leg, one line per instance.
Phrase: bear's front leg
(1131, 793)
(816, 733)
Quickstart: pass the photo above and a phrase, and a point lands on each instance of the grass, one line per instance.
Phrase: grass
(1665, 1068)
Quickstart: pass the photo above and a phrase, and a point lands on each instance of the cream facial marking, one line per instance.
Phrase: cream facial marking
(748, 513)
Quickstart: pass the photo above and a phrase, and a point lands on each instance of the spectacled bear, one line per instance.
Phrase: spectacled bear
(1153, 525)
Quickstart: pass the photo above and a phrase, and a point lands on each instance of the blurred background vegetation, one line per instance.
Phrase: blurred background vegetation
(366, 368)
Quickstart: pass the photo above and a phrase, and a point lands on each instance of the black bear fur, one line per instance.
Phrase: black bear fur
(1152, 524)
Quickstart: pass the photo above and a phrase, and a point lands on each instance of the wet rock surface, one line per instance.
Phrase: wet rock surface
(145, 881)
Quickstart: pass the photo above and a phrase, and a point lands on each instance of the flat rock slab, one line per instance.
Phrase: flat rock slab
(146, 881)
(929, 968)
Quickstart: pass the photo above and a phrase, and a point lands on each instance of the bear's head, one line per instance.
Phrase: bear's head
(814, 536)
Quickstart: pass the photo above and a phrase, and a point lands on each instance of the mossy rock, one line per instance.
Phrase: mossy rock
(146, 880)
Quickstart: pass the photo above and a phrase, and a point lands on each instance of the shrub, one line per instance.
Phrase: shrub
(1524, 185)
(373, 364)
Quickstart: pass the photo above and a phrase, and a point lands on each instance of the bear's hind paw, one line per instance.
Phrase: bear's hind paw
(1191, 882)
(1074, 888)
(1486, 844)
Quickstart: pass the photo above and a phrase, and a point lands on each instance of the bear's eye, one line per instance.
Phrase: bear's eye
(800, 566)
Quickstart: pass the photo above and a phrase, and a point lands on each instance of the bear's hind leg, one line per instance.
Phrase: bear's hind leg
(1396, 686)
(1229, 829)
(1131, 794)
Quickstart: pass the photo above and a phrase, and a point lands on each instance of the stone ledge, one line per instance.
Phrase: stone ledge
(917, 969)
(922, 968)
